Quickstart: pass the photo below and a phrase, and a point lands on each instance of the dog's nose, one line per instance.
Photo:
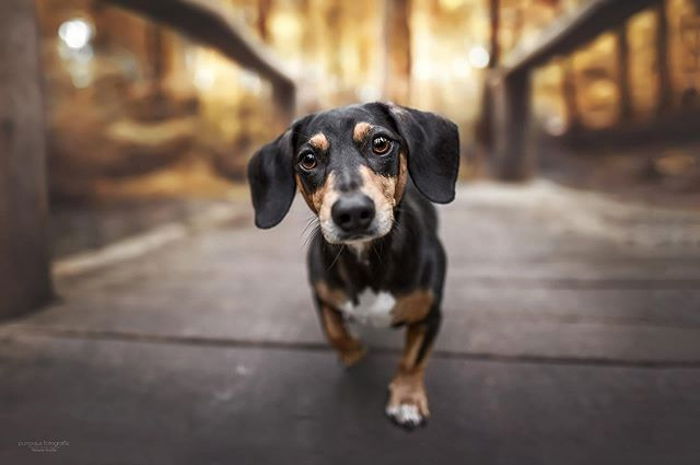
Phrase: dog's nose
(353, 213)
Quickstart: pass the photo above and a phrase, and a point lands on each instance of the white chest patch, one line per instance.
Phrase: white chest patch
(372, 308)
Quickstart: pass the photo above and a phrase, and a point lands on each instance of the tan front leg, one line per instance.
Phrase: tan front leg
(350, 351)
(408, 402)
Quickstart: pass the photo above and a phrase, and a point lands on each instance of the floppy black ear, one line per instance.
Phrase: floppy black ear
(433, 151)
(271, 178)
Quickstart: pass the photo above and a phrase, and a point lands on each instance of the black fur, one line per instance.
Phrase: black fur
(433, 147)
(271, 181)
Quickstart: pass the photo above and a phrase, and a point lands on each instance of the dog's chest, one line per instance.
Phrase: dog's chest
(372, 308)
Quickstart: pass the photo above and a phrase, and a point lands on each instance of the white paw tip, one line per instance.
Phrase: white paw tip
(405, 414)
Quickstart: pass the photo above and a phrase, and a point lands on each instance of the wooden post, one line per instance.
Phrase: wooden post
(494, 32)
(512, 160)
(484, 128)
(24, 257)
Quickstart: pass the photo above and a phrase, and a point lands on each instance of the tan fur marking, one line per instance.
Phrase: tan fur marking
(318, 196)
(304, 194)
(413, 307)
(408, 386)
(360, 131)
(315, 199)
(324, 198)
(379, 188)
(350, 351)
(401, 179)
(333, 297)
(414, 339)
(319, 141)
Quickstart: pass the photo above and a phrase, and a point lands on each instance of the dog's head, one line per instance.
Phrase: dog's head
(352, 164)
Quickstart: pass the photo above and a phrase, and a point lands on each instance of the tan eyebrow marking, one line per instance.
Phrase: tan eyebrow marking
(319, 141)
(360, 131)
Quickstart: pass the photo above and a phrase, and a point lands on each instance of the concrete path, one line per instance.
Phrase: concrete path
(571, 335)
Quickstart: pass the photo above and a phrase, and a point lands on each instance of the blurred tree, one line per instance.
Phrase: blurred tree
(397, 36)
(623, 72)
(665, 87)
(264, 8)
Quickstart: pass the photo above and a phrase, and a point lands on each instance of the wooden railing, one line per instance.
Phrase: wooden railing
(513, 155)
(212, 24)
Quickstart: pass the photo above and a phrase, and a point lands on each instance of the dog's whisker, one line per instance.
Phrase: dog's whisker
(311, 220)
(377, 254)
(342, 247)
(310, 223)
(311, 236)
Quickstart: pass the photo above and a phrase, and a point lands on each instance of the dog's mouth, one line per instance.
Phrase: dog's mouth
(358, 237)
(333, 234)
(350, 239)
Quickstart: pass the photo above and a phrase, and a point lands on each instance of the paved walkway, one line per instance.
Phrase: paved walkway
(571, 335)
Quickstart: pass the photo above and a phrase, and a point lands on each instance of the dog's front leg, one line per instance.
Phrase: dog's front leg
(408, 402)
(350, 350)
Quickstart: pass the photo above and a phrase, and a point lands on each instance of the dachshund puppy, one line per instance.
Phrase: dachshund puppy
(369, 173)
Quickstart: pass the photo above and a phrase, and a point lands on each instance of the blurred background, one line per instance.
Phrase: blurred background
(137, 110)
(145, 320)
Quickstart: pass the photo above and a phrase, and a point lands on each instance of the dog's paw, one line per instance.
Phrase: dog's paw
(350, 357)
(406, 415)
(408, 403)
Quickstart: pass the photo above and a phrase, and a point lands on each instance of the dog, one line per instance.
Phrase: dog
(369, 173)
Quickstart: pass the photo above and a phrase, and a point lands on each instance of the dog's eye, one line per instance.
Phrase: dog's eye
(381, 145)
(308, 161)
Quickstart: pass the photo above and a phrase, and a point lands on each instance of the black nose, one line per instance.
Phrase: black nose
(353, 213)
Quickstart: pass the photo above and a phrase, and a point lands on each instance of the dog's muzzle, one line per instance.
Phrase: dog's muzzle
(353, 214)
